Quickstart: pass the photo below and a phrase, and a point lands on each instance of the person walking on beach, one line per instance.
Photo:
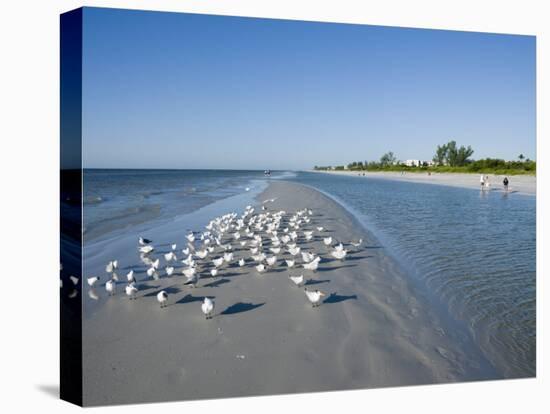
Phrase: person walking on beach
(505, 182)
(482, 181)
(487, 183)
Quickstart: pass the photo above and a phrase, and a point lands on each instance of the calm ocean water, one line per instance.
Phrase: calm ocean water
(473, 252)
(476, 252)
(115, 200)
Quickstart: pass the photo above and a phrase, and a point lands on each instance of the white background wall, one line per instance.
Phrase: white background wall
(29, 140)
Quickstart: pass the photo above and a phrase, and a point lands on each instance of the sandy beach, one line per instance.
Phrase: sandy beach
(524, 184)
(375, 327)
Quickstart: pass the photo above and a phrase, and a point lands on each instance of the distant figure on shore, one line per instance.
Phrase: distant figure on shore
(505, 182)
(487, 183)
(482, 181)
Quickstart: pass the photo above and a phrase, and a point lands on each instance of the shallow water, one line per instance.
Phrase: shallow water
(115, 200)
(475, 251)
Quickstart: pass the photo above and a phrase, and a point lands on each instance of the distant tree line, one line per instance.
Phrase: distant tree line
(448, 157)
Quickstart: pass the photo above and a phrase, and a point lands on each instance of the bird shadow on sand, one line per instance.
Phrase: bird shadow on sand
(336, 298)
(49, 389)
(189, 298)
(327, 269)
(311, 282)
(217, 283)
(240, 308)
(231, 274)
(331, 260)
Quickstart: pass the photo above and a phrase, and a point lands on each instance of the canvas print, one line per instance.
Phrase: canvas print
(260, 206)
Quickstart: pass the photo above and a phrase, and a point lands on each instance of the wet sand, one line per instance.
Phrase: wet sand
(375, 328)
(524, 184)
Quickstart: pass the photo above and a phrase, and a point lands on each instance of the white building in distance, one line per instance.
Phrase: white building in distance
(413, 163)
(419, 163)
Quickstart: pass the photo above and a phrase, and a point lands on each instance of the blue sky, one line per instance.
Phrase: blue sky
(171, 90)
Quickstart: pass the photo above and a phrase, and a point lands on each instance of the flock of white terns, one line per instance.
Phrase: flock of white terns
(267, 236)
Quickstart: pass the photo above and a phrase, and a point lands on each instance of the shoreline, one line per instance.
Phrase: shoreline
(521, 184)
(373, 330)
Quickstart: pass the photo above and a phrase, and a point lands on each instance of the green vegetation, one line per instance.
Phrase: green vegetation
(491, 166)
(448, 158)
(449, 154)
(388, 159)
